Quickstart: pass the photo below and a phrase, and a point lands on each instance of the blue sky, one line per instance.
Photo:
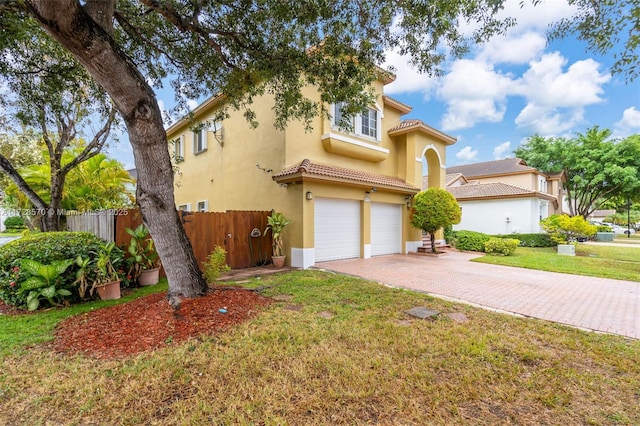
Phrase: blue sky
(509, 89)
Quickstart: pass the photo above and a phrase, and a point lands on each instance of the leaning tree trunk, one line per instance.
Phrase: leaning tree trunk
(70, 24)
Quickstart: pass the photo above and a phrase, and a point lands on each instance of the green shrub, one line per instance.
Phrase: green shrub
(215, 264)
(501, 246)
(603, 228)
(531, 240)
(470, 240)
(567, 229)
(47, 248)
(14, 223)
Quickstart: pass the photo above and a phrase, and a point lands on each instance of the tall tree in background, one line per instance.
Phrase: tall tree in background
(597, 168)
(51, 97)
(95, 184)
(243, 48)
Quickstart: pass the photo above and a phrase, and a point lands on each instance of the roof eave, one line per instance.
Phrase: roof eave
(307, 177)
(421, 127)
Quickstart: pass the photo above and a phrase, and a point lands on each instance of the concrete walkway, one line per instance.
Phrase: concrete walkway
(599, 304)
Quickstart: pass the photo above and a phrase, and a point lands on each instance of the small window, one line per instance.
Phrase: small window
(184, 207)
(178, 152)
(370, 123)
(200, 141)
(339, 120)
(202, 206)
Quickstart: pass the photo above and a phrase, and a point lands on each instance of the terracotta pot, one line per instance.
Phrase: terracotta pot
(109, 291)
(149, 277)
(278, 261)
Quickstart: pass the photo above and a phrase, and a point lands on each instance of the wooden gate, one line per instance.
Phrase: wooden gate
(231, 230)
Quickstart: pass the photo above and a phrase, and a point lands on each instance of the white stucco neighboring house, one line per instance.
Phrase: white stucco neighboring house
(504, 196)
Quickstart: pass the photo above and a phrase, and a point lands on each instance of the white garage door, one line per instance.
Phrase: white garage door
(337, 229)
(386, 228)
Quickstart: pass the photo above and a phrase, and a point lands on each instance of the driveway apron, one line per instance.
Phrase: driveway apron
(599, 304)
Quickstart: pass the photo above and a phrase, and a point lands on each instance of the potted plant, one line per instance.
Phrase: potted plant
(107, 280)
(145, 263)
(276, 223)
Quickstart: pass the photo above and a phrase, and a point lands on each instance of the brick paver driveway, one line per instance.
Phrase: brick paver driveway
(600, 304)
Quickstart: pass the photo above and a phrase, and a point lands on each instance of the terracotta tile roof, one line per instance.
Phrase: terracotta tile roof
(493, 190)
(489, 168)
(413, 125)
(452, 177)
(310, 170)
(404, 124)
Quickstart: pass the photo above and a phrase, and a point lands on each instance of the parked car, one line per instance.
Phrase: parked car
(622, 230)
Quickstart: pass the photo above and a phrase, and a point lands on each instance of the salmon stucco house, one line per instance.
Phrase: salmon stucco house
(346, 192)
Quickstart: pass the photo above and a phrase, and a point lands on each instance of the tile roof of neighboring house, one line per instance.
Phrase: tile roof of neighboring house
(493, 190)
(308, 170)
(452, 177)
(490, 168)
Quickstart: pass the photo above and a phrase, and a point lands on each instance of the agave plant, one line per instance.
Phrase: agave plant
(43, 280)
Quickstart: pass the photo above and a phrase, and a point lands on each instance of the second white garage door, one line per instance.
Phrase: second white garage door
(337, 229)
(386, 228)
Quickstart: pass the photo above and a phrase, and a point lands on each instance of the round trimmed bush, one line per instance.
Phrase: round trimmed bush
(14, 223)
(45, 248)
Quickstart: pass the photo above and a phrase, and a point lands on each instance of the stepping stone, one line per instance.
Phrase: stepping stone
(404, 323)
(295, 308)
(422, 312)
(458, 317)
(326, 314)
(283, 297)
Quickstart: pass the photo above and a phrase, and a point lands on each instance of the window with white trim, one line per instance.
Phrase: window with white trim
(202, 206)
(200, 141)
(178, 149)
(184, 207)
(367, 123)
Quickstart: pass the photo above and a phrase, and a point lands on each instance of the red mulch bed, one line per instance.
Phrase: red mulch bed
(151, 323)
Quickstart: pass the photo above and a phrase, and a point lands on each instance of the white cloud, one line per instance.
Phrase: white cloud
(513, 50)
(556, 99)
(408, 79)
(474, 93)
(191, 104)
(498, 151)
(537, 17)
(628, 124)
(467, 154)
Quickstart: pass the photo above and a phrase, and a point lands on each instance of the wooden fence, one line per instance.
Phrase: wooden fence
(231, 230)
(101, 223)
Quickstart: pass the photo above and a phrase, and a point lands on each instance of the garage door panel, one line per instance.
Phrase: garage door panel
(337, 229)
(386, 228)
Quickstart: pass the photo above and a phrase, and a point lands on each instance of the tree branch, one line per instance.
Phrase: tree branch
(22, 185)
(94, 147)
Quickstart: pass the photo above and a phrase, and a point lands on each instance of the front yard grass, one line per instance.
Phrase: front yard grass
(621, 263)
(368, 363)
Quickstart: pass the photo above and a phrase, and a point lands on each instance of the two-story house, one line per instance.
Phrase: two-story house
(346, 189)
(504, 196)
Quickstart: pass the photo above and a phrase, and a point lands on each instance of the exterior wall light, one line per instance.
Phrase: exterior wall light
(309, 195)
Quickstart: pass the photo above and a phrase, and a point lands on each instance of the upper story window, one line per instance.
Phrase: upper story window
(367, 123)
(178, 150)
(542, 184)
(199, 141)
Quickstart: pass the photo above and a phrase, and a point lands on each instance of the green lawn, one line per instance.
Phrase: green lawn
(367, 364)
(622, 263)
